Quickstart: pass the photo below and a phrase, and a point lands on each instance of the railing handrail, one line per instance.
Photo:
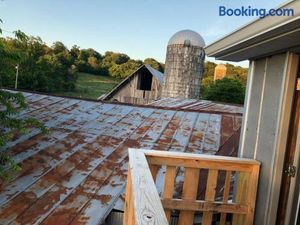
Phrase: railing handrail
(144, 206)
(202, 157)
(141, 194)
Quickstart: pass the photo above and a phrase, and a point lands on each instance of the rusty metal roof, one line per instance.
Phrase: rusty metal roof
(198, 105)
(77, 173)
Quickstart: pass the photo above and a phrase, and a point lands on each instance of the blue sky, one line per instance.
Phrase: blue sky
(139, 28)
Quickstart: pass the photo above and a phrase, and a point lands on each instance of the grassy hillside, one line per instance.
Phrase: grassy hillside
(91, 86)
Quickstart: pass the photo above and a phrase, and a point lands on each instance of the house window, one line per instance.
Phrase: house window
(145, 82)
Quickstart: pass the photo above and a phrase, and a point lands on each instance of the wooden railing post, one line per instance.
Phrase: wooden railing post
(190, 189)
(210, 194)
(242, 189)
(226, 195)
(128, 218)
(253, 182)
(144, 199)
(169, 187)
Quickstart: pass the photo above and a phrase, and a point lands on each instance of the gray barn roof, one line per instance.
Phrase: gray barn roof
(156, 73)
(77, 173)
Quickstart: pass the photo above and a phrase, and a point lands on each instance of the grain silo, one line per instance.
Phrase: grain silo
(184, 65)
(220, 72)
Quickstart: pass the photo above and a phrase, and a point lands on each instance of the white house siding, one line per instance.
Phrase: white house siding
(265, 127)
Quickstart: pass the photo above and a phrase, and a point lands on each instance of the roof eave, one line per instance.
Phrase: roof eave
(258, 32)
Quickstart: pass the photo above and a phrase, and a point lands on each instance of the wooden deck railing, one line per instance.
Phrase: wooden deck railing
(143, 205)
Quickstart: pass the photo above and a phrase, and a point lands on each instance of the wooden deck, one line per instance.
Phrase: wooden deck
(144, 205)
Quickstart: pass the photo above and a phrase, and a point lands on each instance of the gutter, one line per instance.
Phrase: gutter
(253, 30)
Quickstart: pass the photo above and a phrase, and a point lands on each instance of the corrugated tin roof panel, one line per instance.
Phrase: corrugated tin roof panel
(201, 105)
(77, 173)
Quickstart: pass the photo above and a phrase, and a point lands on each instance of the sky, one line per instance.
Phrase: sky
(138, 28)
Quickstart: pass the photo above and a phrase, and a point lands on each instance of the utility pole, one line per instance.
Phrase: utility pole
(17, 74)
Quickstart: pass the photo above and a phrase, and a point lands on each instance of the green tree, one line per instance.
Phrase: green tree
(125, 69)
(209, 69)
(111, 58)
(40, 68)
(225, 90)
(93, 62)
(206, 82)
(11, 125)
(154, 64)
(233, 72)
(59, 47)
(10, 105)
(89, 61)
(75, 50)
(237, 73)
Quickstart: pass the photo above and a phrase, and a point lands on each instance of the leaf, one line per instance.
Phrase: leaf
(11, 126)
(0, 28)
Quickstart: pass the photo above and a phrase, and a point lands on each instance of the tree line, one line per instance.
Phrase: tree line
(11, 104)
(54, 68)
(40, 67)
(233, 72)
(230, 89)
(118, 65)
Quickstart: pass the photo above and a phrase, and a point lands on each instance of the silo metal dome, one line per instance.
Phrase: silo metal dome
(181, 37)
(221, 66)
(184, 66)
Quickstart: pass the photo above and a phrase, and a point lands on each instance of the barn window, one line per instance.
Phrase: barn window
(187, 43)
(145, 82)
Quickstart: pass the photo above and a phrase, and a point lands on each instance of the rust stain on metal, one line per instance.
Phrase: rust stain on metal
(104, 198)
(194, 105)
(77, 173)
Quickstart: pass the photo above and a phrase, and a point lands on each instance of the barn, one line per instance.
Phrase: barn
(141, 87)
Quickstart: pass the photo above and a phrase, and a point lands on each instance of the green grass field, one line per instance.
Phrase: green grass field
(91, 86)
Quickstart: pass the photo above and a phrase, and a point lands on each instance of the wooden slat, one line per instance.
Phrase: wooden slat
(241, 196)
(226, 195)
(189, 192)
(169, 187)
(251, 200)
(205, 206)
(132, 220)
(148, 209)
(210, 194)
(202, 157)
(128, 213)
(200, 164)
(143, 206)
(127, 199)
(154, 170)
